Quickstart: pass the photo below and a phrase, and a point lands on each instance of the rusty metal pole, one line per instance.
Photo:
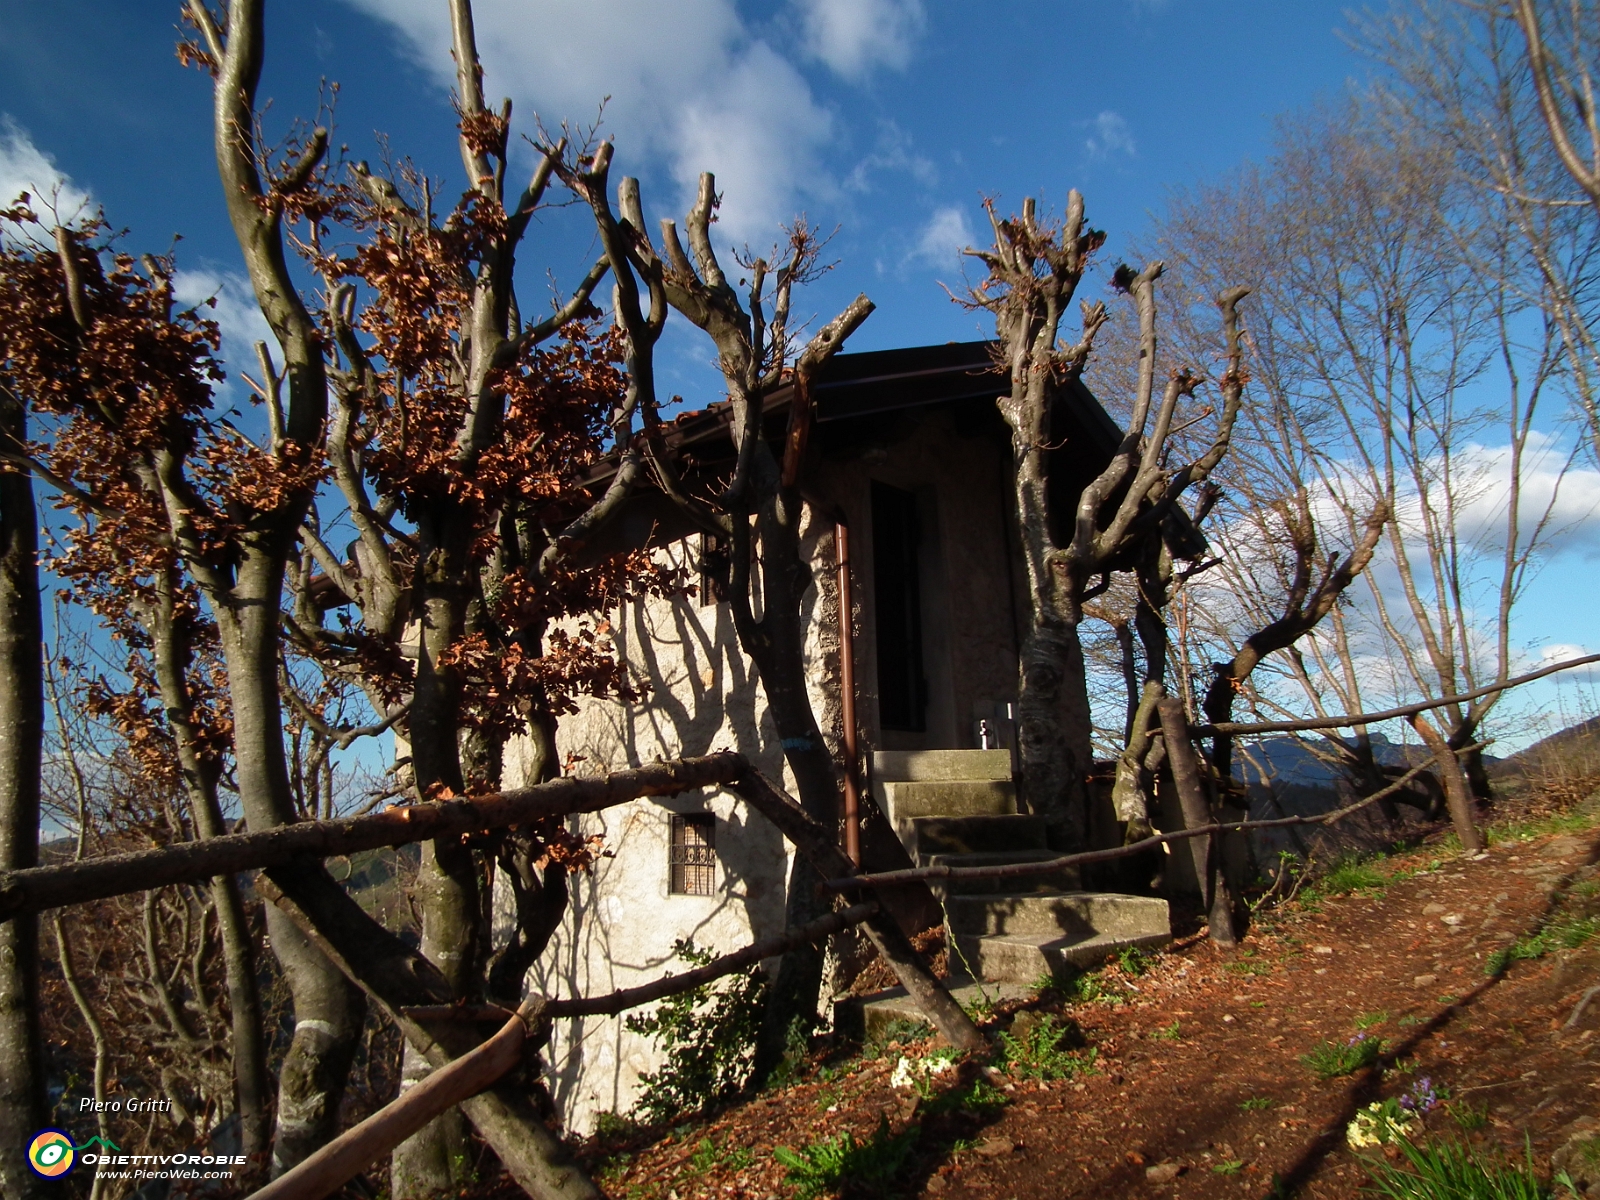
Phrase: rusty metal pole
(847, 688)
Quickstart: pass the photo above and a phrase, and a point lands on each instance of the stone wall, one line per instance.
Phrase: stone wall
(622, 924)
(702, 696)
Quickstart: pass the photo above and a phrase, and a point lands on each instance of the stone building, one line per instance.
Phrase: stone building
(910, 454)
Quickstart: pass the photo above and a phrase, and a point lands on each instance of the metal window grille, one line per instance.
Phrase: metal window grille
(693, 855)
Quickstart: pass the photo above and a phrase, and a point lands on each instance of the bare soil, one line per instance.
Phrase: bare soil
(1163, 1113)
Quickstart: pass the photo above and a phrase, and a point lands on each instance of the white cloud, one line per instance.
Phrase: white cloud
(853, 36)
(26, 168)
(1110, 135)
(1570, 496)
(690, 87)
(227, 298)
(1558, 503)
(1554, 652)
(893, 153)
(944, 237)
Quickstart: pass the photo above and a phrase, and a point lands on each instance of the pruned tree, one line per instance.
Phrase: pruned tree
(759, 512)
(1129, 518)
(459, 447)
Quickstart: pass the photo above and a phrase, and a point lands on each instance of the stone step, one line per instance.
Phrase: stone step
(923, 766)
(1018, 958)
(904, 800)
(864, 1017)
(974, 835)
(1074, 914)
(1054, 882)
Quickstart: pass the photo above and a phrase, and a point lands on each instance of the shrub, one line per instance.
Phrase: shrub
(824, 1166)
(1041, 1051)
(1133, 961)
(979, 1098)
(709, 1035)
(1089, 987)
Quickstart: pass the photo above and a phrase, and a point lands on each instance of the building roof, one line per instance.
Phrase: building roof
(881, 381)
(869, 387)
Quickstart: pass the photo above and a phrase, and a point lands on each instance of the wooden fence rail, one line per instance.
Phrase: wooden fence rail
(327, 1170)
(38, 888)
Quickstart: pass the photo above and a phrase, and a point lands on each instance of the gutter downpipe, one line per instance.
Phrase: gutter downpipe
(847, 688)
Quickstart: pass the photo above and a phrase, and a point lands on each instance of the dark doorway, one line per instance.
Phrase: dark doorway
(896, 536)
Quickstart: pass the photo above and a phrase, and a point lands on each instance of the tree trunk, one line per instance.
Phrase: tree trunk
(779, 657)
(398, 977)
(253, 1091)
(328, 1011)
(1208, 868)
(435, 1158)
(1054, 733)
(1472, 764)
(252, 1083)
(23, 1109)
(1456, 791)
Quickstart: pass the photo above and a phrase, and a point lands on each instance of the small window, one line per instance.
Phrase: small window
(713, 570)
(692, 865)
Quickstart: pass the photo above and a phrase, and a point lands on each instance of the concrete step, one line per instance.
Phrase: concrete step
(1018, 958)
(1074, 914)
(869, 1016)
(904, 800)
(975, 835)
(936, 765)
(1055, 882)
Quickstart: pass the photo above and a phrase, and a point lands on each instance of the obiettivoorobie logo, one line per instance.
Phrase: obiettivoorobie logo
(52, 1154)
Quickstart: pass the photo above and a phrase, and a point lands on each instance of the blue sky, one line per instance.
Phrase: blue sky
(889, 118)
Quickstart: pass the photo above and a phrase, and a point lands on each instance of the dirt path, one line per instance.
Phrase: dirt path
(1166, 1113)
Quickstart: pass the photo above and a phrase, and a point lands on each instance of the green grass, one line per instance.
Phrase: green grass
(1448, 1170)
(1248, 966)
(1351, 875)
(1367, 1020)
(981, 1009)
(708, 1156)
(1469, 1117)
(1169, 1033)
(1256, 1104)
(1232, 1167)
(616, 1126)
(1330, 1060)
(1560, 935)
(824, 1166)
(1042, 1052)
(1526, 831)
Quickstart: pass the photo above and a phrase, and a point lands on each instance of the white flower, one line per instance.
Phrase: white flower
(906, 1073)
(902, 1074)
(1380, 1123)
